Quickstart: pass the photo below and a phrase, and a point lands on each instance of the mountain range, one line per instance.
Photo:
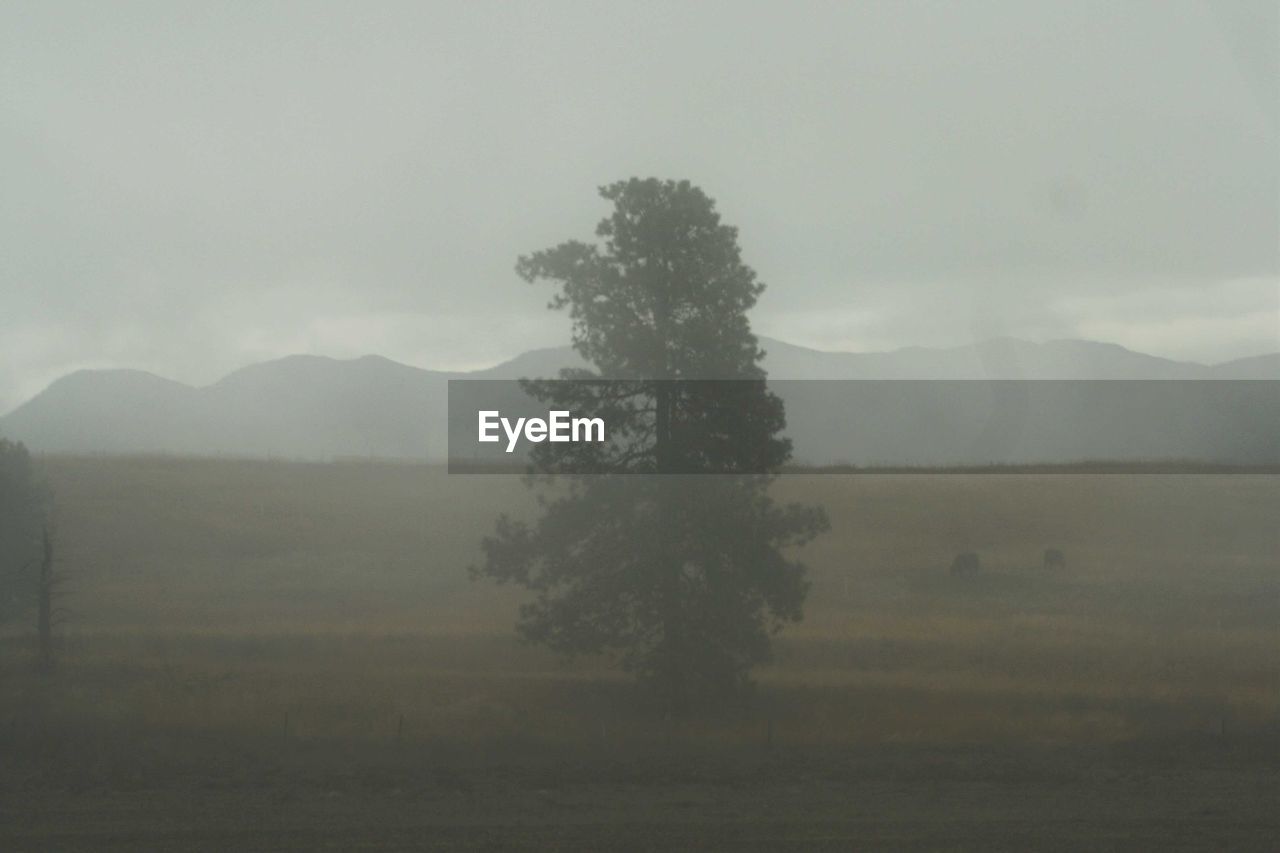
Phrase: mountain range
(313, 407)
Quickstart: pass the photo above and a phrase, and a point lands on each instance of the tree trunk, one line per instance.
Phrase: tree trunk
(673, 668)
(44, 613)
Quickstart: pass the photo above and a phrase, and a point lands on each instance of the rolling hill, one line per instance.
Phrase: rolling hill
(315, 407)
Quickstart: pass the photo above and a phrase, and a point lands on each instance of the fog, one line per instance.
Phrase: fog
(930, 354)
(190, 188)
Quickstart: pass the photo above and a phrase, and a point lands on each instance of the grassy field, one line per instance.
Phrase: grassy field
(271, 655)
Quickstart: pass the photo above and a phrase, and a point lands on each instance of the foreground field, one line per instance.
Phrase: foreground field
(215, 794)
(288, 656)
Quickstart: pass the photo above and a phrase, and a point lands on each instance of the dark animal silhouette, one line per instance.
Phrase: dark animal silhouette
(1054, 559)
(965, 564)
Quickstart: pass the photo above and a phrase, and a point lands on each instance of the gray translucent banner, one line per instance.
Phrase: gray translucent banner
(1112, 426)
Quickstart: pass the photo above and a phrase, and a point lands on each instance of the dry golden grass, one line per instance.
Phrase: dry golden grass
(221, 596)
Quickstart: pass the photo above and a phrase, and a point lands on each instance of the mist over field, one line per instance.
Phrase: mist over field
(936, 352)
(305, 634)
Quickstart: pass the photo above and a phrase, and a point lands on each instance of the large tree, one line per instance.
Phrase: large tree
(638, 553)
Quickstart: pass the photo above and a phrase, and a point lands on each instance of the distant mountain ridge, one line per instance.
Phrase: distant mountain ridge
(307, 406)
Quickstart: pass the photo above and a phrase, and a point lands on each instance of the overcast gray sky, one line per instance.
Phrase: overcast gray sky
(188, 188)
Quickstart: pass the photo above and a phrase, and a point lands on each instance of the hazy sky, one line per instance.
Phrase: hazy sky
(190, 188)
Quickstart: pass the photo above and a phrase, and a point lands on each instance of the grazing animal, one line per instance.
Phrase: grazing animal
(1054, 559)
(965, 564)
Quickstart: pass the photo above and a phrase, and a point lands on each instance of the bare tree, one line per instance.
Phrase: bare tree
(47, 589)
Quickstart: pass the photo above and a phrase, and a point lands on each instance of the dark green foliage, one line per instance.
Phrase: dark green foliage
(23, 508)
(682, 577)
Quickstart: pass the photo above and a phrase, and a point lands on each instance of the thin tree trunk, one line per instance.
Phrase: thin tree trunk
(44, 614)
(673, 654)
